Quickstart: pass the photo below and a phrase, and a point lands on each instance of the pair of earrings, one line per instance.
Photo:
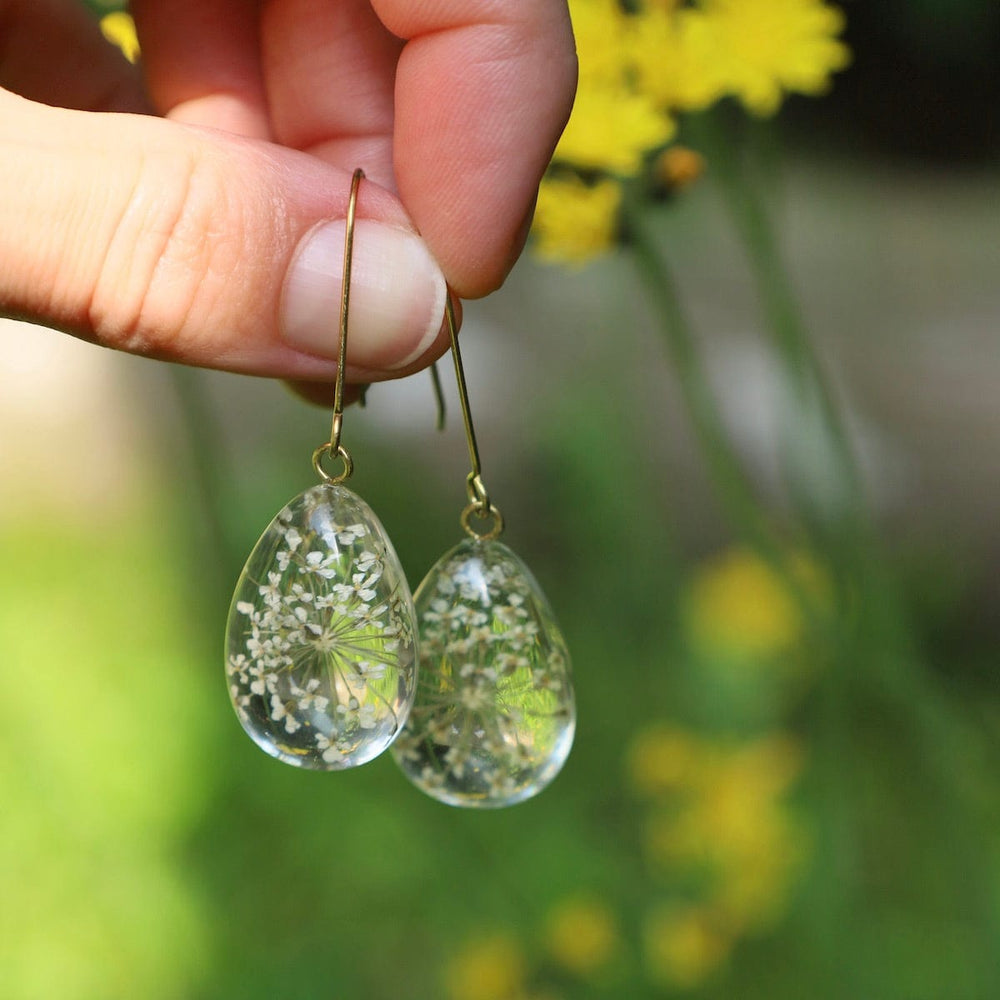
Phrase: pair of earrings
(329, 659)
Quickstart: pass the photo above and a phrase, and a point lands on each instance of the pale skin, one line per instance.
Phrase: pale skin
(158, 209)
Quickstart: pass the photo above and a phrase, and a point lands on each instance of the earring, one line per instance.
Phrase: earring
(494, 716)
(320, 641)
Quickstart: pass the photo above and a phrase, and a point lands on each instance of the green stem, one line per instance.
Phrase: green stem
(207, 469)
(733, 488)
(778, 300)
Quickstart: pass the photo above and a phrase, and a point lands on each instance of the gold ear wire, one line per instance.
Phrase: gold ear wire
(333, 448)
(480, 506)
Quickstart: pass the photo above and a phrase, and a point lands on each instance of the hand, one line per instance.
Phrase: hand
(215, 237)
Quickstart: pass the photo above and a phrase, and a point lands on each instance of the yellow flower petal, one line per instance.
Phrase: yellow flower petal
(684, 946)
(770, 47)
(582, 936)
(575, 222)
(491, 968)
(611, 129)
(119, 29)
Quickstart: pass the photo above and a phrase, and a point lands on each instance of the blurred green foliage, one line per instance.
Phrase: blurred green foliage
(150, 850)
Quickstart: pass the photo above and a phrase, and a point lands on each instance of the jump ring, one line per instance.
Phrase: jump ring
(482, 513)
(341, 453)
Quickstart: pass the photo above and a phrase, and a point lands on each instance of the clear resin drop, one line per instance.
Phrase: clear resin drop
(494, 716)
(320, 643)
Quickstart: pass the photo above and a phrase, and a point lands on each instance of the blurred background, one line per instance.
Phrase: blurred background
(762, 506)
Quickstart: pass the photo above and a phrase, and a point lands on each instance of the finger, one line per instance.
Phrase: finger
(483, 90)
(330, 70)
(194, 246)
(53, 51)
(202, 62)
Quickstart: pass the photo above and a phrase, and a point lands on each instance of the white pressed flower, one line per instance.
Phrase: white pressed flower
(545, 681)
(351, 534)
(432, 778)
(366, 717)
(271, 591)
(521, 635)
(367, 617)
(509, 663)
(308, 697)
(482, 636)
(371, 671)
(501, 784)
(456, 759)
(259, 674)
(280, 713)
(475, 698)
(360, 587)
(369, 562)
(332, 750)
(321, 564)
(237, 666)
(245, 608)
(509, 614)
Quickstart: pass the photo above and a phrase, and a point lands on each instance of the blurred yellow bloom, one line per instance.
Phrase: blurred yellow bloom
(582, 936)
(738, 604)
(684, 946)
(770, 47)
(600, 28)
(575, 221)
(664, 759)
(642, 64)
(613, 123)
(491, 968)
(678, 167)
(119, 29)
(721, 817)
(676, 58)
(611, 129)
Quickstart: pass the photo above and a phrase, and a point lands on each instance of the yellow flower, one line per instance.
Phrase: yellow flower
(491, 968)
(611, 129)
(768, 47)
(676, 57)
(582, 936)
(613, 123)
(732, 829)
(738, 605)
(678, 167)
(684, 946)
(600, 27)
(119, 29)
(664, 759)
(574, 221)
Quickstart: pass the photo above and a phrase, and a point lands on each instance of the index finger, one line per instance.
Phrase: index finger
(483, 90)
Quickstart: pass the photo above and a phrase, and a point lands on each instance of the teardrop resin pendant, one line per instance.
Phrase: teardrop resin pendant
(494, 716)
(320, 642)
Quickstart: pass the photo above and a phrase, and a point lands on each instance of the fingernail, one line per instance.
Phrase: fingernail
(397, 295)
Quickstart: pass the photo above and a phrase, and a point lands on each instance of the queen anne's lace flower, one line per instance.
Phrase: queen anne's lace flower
(493, 720)
(321, 650)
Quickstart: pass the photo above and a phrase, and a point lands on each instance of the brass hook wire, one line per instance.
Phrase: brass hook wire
(480, 504)
(333, 448)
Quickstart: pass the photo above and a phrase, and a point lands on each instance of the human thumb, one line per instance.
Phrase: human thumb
(197, 246)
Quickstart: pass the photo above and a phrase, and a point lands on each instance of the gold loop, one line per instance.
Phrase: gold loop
(476, 490)
(341, 453)
(482, 513)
